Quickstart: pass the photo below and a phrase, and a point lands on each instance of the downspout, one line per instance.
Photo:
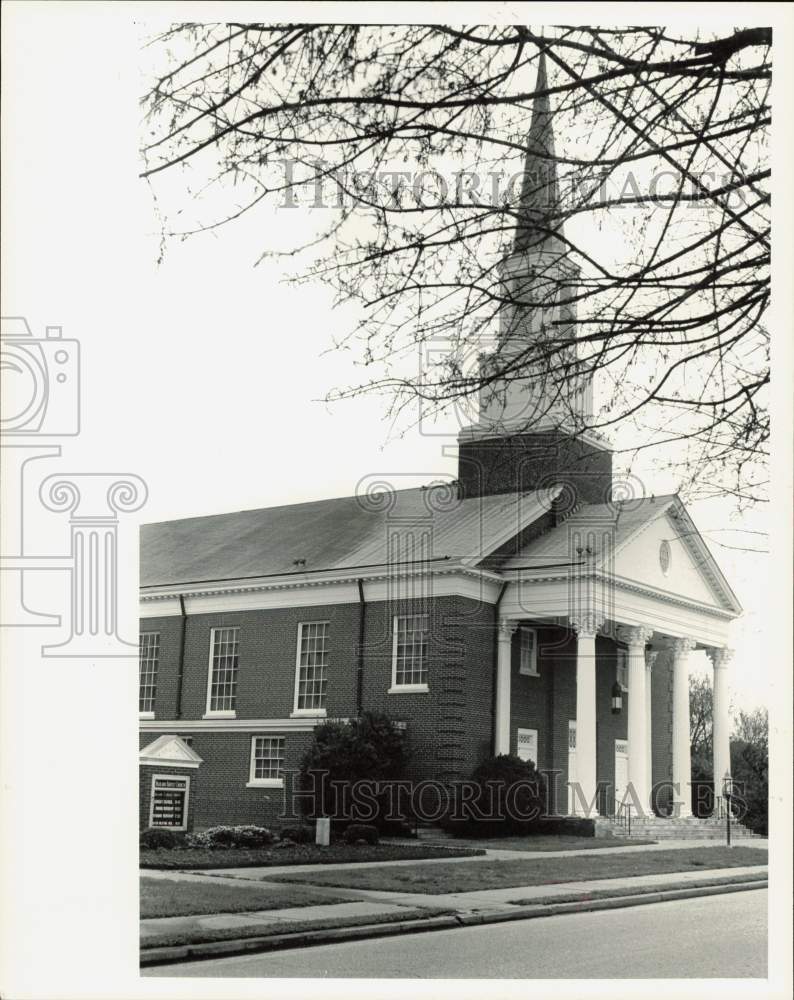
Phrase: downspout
(360, 665)
(496, 656)
(181, 668)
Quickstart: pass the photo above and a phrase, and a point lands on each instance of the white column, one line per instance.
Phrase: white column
(682, 763)
(503, 666)
(584, 800)
(650, 660)
(636, 638)
(721, 742)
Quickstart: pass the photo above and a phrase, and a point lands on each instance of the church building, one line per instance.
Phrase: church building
(535, 605)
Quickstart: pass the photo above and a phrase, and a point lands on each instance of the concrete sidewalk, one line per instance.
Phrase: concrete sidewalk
(370, 913)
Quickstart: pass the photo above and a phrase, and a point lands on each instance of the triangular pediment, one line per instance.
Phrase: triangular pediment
(169, 751)
(669, 555)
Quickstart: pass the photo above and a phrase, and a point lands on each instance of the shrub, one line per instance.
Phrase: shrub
(298, 834)
(156, 837)
(569, 826)
(505, 795)
(237, 836)
(369, 749)
(361, 831)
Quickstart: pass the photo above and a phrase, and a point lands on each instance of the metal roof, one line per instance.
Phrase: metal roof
(346, 533)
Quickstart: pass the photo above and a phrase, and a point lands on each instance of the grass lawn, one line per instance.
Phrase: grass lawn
(173, 898)
(555, 843)
(474, 876)
(299, 854)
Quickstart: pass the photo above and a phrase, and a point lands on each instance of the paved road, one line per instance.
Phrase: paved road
(707, 937)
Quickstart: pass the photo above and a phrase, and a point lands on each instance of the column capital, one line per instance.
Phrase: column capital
(720, 657)
(681, 647)
(587, 624)
(634, 635)
(650, 658)
(506, 628)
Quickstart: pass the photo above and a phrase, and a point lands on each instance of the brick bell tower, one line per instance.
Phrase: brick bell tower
(530, 432)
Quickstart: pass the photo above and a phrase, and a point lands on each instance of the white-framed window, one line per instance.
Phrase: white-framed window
(528, 652)
(169, 801)
(267, 762)
(148, 658)
(527, 745)
(311, 668)
(222, 674)
(622, 669)
(409, 654)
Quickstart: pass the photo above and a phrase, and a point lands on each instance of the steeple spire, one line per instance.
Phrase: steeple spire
(540, 192)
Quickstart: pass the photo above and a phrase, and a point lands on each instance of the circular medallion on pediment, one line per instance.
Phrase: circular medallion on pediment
(665, 556)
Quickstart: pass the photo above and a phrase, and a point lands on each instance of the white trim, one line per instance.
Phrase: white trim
(218, 713)
(152, 753)
(186, 801)
(262, 594)
(301, 725)
(145, 715)
(305, 711)
(309, 713)
(533, 734)
(262, 782)
(533, 670)
(396, 688)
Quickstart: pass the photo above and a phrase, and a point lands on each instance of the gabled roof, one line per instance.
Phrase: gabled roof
(347, 533)
(626, 522)
(169, 751)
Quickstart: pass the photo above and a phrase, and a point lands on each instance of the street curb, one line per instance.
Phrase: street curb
(304, 939)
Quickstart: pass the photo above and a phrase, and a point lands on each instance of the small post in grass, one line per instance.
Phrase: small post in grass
(727, 792)
(322, 834)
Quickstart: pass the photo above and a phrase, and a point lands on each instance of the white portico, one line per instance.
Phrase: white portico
(639, 574)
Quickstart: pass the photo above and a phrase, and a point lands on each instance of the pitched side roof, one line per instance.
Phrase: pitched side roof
(343, 533)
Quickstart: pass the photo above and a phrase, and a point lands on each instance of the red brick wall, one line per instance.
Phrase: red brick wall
(449, 729)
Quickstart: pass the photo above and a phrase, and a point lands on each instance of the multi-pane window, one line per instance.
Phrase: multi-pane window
(622, 669)
(528, 649)
(410, 650)
(312, 666)
(148, 653)
(267, 758)
(223, 670)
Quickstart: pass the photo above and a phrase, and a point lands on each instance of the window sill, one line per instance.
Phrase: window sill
(145, 715)
(308, 713)
(529, 673)
(219, 715)
(266, 783)
(409, 689)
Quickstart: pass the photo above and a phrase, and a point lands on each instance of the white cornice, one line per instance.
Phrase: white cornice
(303, 725)
(515, 576)
(327, 588)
